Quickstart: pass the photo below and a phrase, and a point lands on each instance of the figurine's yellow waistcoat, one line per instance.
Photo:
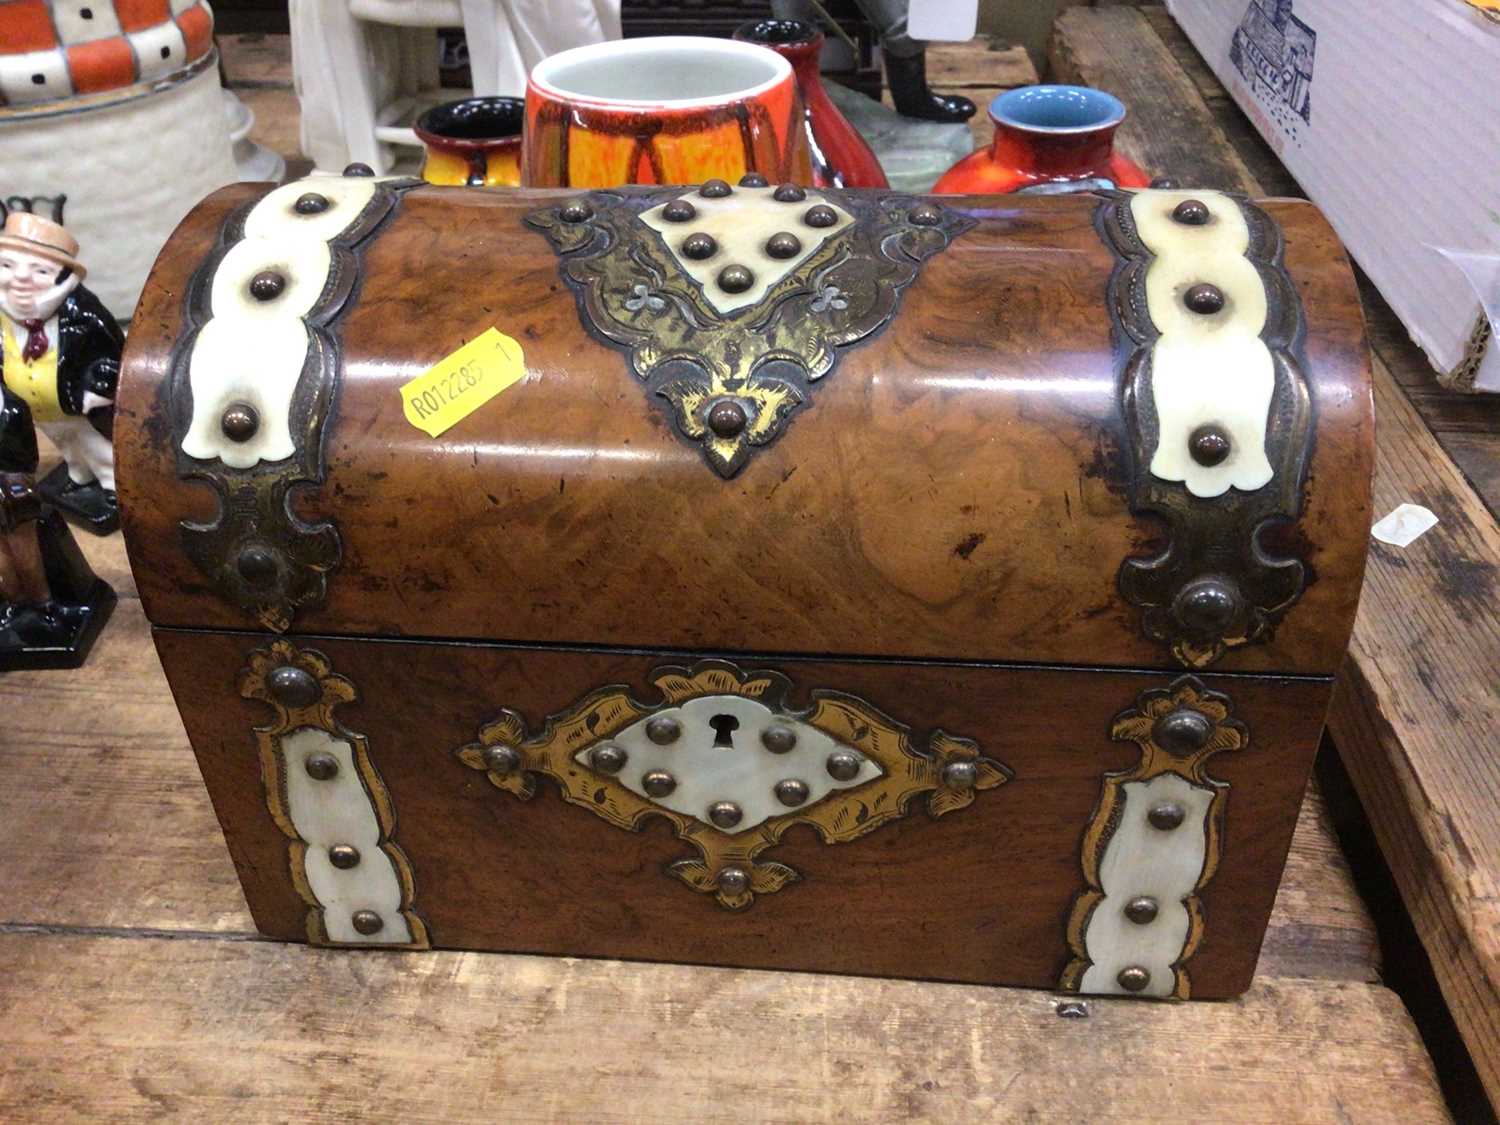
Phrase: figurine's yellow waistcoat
(34, 382)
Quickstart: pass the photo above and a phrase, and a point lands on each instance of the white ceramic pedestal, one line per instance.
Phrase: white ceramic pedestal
(132, 163)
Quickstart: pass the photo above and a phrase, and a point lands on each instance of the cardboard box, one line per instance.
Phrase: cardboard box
(1388, 114)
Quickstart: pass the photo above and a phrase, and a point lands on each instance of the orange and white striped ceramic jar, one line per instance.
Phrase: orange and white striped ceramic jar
(668, 110)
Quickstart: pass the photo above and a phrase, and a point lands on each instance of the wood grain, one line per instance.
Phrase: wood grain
(1419, 705)
(124, 1030)
(1420, 696)
(987, 888)
(574, 488)
(142, 850)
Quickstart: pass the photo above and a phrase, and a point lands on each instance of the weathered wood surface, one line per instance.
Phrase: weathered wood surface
(1416, 714)
(213, 1030)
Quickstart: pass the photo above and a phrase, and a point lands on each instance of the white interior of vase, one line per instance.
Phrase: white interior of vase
(676, 71)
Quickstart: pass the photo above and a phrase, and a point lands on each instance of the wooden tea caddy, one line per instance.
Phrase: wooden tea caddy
(840, 581)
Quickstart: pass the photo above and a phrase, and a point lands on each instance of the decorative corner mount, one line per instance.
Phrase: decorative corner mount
(731, 767)
(1217, 411)
(731, 303)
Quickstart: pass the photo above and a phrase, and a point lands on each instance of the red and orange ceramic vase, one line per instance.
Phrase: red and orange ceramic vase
(840, 156)
(667, 110)
(1047, 137)
(474, 142)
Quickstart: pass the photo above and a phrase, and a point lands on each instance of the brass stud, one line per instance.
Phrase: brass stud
(821, 215)
(663, 730)
(778, 739)
(321, 766)
(576, 211)
(715, 189)
(783, 244)
(1191, 213)
(1141, 910)
(754, 179)
(502, 759)
(368, 922)
(311, 203)
(358, 169)
(725, 814)
(239, 422)
(1207, 606)
(699, 246)
(608, 758)
(734, 881)
(267, 285)
(1203, 298)
(843, 765)
(792, 792)
(1209, 445)
(1133, 978)
(343, 856)
(789, 193)
(658, 783)
(726, 418)
(679, 211)
(1182, 731)
(257, 565)
(960, 775)
(1166, 816)
(925, 215)
(735, 278)
(293, 687)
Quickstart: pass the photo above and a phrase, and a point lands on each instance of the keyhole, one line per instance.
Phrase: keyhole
(724, 728)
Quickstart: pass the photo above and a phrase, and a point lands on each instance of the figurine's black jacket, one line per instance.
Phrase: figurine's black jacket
(18, 452)
(89, 342)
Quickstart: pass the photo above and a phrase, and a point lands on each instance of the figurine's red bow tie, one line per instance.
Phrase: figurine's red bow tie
(36, 340)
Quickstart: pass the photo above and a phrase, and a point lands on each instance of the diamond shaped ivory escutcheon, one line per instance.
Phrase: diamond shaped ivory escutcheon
(742, 225)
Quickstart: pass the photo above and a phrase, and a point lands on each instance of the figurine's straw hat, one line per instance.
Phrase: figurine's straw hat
(42, 237)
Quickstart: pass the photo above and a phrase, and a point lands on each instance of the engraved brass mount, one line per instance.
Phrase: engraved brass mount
(256, 552)
(1157, 815)
(734, 374)
(1221, 582)
(324, 793)
(731, 767)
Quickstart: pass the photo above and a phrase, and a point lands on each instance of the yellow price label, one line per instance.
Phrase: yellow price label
(463, 381)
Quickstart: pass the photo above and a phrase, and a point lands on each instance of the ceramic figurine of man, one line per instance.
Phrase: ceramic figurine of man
(61, 357)
(52, 606)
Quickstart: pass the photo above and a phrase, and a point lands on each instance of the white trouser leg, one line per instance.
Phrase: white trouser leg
(89, 454)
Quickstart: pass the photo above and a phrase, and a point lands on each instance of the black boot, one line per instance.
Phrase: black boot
(907, 78)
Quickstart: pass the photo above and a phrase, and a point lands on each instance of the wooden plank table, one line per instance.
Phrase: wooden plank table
(135, 986)
(1418, 707)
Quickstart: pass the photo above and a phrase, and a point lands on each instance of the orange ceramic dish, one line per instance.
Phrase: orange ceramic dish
(668, 110)
(475, 142)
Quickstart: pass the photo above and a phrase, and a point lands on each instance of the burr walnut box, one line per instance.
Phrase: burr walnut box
(753, 575)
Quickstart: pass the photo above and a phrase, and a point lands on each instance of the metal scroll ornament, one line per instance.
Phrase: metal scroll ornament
(254, 377)
(324, 793)
(731, 767)
(732, 302)
(1218, 415)
(1153, 843)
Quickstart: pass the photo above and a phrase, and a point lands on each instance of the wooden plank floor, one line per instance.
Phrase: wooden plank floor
(1417, 710)
(135, 987)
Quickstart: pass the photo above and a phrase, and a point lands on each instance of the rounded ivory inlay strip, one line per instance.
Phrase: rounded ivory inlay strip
(1141, 860)
(1207, 369)
(339, 811)
(253, 351)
